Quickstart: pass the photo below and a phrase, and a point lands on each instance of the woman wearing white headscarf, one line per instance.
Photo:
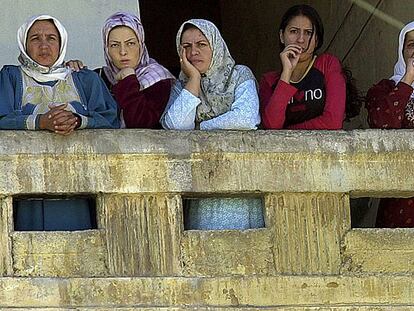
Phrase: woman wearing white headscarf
(212, 91)
(390, 105)
(42, 93)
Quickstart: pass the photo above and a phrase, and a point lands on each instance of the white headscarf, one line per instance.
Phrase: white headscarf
(40, 73)
(400, 68)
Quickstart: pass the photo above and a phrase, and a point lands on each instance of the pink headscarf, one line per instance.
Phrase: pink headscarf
(148, 71)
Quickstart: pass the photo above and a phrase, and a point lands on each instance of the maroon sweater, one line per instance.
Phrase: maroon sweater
(141, 109)
(386, 103)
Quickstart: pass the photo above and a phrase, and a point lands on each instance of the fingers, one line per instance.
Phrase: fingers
(182, 56)
(75, 65)
(292, 51)
(65, 127)
(56, 109)
(65, 132)
(125, 72)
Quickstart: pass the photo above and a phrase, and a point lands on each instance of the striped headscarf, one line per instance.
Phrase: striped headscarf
(148, 71)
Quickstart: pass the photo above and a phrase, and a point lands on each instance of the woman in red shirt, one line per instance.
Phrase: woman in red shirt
(310, 92)
(390, 105)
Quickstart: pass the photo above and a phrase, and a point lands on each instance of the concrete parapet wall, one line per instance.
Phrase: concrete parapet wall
(140, 257)
(139, 161)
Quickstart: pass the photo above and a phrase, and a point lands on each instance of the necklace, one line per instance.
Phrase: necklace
(306, 71)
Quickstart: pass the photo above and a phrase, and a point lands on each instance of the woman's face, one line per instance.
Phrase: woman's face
(299, 31)
(43, 43)
(124, 48)
(408, 46)
(197, 49)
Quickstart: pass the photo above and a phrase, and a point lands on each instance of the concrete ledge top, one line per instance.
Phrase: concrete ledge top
(134, 141)
(140, 161)
(224, 292)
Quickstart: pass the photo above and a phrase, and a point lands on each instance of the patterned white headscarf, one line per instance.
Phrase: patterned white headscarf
(400, 67)
(40, 73)
(148, 71)
(219, 83)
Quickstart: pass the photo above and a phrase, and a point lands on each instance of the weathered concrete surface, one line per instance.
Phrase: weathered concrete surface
(307, 231)
(378, 251)
(143, 234)
(365, 308)
(231, 252)
(307, 257)
(139, 161)
(6, 226)
(59, 254)
(283, 291)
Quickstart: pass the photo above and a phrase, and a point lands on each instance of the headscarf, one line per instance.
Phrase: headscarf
(219, 83)
(58, 70)
(148, 71)
(400, 67)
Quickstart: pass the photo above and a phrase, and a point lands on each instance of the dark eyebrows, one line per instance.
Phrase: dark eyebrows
(199, 41)
(128, 40)
(36, 35)
(297, 28)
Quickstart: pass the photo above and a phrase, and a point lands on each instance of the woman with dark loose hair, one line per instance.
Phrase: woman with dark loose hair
(311, 91)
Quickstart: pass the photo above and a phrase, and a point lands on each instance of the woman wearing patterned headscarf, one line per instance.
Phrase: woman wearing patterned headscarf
(139, 84)
(212, 91)
(390, 105)
(42, 94)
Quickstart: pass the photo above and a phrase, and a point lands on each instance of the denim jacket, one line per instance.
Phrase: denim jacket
(97, 108)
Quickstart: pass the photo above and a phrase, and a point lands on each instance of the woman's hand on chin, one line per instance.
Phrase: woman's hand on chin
(189, 70)
(409, 72)
(289, 58)
(125, 72)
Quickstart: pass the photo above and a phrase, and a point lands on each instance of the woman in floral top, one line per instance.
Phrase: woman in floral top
(390, 105)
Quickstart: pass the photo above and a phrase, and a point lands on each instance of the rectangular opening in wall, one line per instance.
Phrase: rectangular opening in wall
(223, 213)
(387, 212)
(54, 213)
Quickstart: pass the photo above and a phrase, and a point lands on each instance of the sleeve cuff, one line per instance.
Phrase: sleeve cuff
(32, 122)
(84, 122)
(187, 96)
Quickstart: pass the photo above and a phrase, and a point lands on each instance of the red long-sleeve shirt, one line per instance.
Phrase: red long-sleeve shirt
(141, 109)
(311, 106)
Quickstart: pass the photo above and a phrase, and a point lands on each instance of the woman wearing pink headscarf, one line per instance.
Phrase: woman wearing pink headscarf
(139, 84)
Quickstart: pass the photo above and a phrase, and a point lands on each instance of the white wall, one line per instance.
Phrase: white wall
(83, 20)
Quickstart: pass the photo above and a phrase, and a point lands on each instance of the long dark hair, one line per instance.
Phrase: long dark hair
(354, 98)
(309, 12)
